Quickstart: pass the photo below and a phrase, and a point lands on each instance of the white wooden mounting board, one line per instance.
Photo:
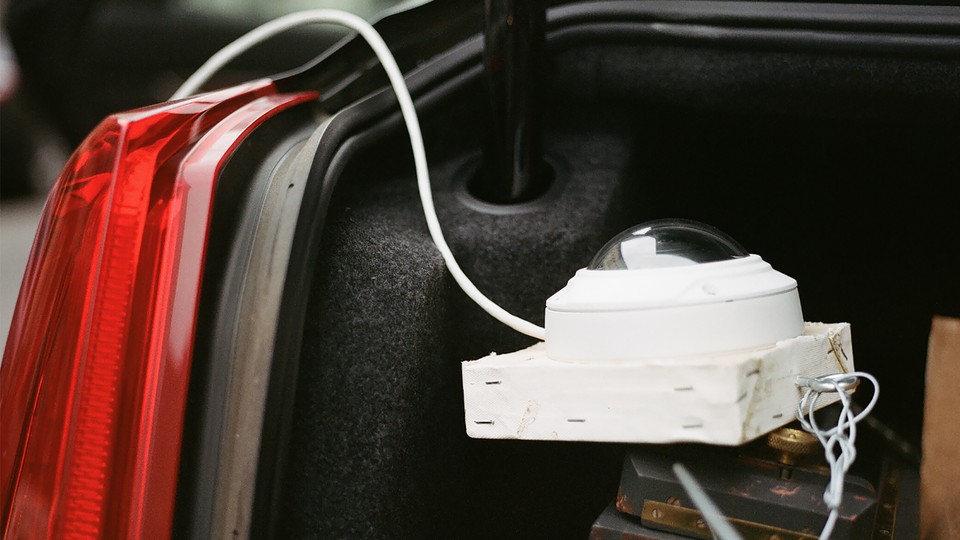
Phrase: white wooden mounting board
(725, 399)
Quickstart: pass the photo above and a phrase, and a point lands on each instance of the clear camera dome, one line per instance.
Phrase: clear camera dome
(665, 243)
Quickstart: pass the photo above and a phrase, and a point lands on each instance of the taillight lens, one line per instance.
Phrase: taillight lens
(94, 375)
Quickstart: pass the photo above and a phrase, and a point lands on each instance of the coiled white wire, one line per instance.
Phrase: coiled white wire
(369, 33)
(839, 442)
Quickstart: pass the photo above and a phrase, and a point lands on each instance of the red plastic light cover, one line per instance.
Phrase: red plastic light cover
(95, 372)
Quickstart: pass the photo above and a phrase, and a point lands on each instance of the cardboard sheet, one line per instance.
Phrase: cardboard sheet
(940, 470)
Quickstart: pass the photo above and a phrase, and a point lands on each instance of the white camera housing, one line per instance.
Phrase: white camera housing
(623, 315)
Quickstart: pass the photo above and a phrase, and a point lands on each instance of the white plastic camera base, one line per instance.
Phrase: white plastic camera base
(725, 399)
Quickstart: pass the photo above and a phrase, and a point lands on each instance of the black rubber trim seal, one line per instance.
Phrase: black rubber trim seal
(240, 188)
(348, 131)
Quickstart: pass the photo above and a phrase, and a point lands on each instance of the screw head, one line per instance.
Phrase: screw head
(792, 443)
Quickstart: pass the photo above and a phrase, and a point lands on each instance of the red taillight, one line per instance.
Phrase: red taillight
(94, 375)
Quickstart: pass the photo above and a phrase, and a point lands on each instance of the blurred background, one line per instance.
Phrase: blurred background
(67, 64)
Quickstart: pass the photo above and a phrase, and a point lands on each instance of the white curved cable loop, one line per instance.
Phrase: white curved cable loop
(366, 30)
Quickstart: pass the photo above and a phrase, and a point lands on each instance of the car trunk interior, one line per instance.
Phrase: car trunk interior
(832, 158)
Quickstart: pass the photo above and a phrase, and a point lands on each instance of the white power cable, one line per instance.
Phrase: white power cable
(367, 31)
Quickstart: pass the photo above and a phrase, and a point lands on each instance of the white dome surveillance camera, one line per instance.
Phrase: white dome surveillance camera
(668, 288)
(673, 333)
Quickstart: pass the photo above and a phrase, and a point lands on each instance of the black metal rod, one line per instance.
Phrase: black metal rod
(514, 36)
